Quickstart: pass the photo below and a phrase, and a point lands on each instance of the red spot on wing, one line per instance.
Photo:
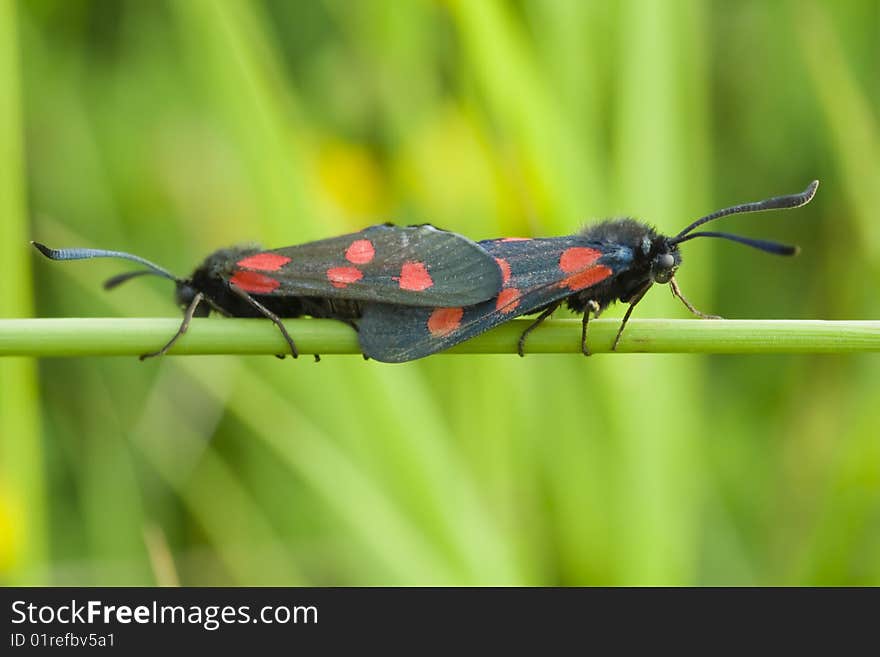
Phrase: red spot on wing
(342, 276)
(264, 262)
(578, 258)
(251, 281)
(505, 270)
(360, 252)
(577, 261)
(414, 277)
(508, 300)
(586, 278)
(444, 321)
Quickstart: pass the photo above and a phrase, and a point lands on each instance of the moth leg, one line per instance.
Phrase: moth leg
(676, 292)
(544, 315)
(594, 307)
(267, 313)
(632, 304)
(184, 325)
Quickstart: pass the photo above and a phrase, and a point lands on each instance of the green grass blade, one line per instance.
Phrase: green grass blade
(851, 118)
(22, 484)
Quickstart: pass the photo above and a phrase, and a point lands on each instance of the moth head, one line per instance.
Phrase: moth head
(664, 264)
(184, 294)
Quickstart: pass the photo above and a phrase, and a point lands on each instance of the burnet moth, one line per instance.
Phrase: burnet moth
(617, 259)
(331, 278)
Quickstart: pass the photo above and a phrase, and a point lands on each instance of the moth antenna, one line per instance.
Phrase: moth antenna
(119, 279)
(776, 203)
(776, 248)
(85, 254)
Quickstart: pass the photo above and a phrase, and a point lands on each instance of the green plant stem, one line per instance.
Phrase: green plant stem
(128, 337)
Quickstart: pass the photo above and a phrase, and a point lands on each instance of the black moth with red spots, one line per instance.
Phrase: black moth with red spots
(332, 278)
(615, 260)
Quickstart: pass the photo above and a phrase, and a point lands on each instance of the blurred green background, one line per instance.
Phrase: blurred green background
(169, 129)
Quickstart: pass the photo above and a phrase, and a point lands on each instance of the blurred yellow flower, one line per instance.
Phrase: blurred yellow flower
(448, 168)
(10, 538)
(351, 179)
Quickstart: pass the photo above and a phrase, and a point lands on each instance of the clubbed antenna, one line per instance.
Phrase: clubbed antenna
(86, 254)
(775, 203)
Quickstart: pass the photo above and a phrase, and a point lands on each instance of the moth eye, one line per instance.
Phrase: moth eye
(666, 261)
(185, 294)
(663, 267)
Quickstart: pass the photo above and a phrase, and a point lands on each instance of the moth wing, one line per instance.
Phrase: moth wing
(535, 273)
(407, 265)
